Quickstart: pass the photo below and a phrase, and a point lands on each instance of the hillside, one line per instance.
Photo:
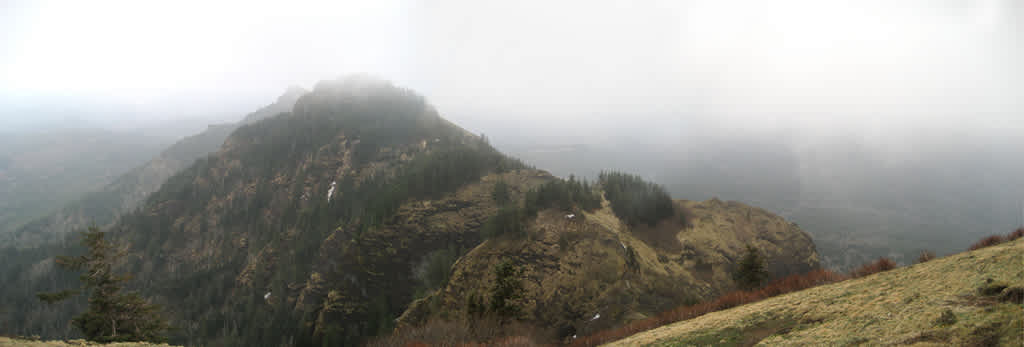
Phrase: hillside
(104, 202)
(938, 303)
(305, 221)
(9, 342)
(322, 225)
(598, 266)
(41, 171)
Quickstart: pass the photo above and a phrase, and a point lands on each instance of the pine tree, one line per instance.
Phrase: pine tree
(507, 288)
(751, 273)
(113, 315)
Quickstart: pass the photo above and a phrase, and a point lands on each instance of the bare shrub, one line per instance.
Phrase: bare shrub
(988, 241)
(925, 256)
(1016, 234)
(880, 265)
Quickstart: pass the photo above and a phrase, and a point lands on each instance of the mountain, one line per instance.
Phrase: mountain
(324, 224)
(302, 206)
(102, 205)
(951, 301)
(42, 170)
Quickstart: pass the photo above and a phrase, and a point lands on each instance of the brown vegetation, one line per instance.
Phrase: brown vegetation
(480, 331)
(993, 240)
(785, 285)
(925, 256)
(882, 264)
(988, 241)
(1016, 234)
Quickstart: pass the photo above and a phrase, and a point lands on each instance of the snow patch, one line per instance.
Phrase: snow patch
(596, 316)
(266, 296)
(330, 192)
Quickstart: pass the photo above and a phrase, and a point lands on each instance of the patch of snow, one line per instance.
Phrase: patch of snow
(330, 192)
(596, 316)
(570, 216)
(624, 248)
(266, 296)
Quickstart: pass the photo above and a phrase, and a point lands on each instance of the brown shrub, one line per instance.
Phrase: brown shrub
(925, 256)
(880, 265)
(987, 242)
(782, 286)
(482, 331)
(1016, 234)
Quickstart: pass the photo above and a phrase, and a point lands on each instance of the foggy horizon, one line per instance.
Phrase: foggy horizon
(874, 71)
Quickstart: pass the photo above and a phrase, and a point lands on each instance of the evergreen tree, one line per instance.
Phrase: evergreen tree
(113, 315)
(501, 193)
(507, 288)
(751, 273)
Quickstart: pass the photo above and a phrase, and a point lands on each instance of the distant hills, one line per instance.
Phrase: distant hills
(41, 171)
(121, 193)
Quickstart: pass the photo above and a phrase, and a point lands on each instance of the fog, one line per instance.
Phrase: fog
(811, 68)
(838, 95)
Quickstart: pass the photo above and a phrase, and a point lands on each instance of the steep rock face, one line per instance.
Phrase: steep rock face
(129, 190)
(592, 272)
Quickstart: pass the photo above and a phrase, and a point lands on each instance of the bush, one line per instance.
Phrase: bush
(946, 318)
(1016, 234)
(925, 256)
(751, 272)
(988, 241)
(880, 265)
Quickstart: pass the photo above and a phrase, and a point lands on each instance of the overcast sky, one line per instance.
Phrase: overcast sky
(872, 67)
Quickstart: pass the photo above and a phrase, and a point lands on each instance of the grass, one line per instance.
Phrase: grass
(940, 302)
(10, 342)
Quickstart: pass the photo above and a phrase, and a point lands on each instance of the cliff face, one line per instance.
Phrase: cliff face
(592, 272)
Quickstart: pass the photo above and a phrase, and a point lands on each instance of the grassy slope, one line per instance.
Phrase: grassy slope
(8, 342)
(899, 307)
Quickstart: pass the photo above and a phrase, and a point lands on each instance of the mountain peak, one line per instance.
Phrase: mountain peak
(291, 94)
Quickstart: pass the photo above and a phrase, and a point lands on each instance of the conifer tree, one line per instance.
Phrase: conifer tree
(507, 288)
(751, 273)
(113, 314)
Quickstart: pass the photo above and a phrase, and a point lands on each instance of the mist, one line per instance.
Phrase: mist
(756, 101)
